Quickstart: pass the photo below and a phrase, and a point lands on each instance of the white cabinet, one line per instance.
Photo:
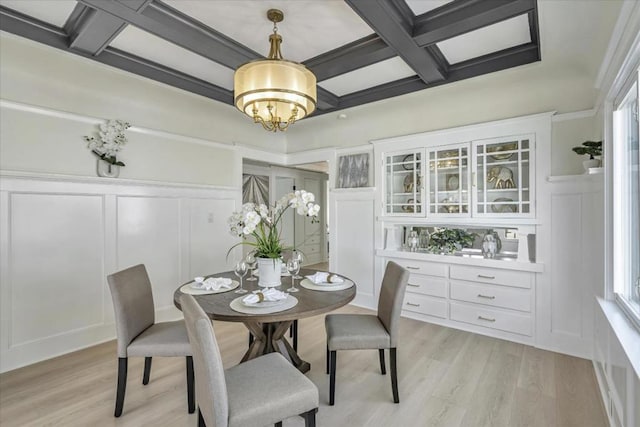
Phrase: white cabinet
(481, 178)
(427, 288)
(448, 181)
(403, 183)
(487, 300)
(503, 181)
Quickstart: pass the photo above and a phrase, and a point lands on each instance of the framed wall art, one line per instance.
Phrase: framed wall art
(353, 171)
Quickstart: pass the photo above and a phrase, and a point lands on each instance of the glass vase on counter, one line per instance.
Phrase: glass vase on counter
(413, 241)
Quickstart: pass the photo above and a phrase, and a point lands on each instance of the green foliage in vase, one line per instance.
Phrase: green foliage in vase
(448, 240)
(592, 148)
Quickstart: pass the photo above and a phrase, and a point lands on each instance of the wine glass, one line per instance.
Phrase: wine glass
(252, 263)
(297, 255)
(240, 269)
(293, 266)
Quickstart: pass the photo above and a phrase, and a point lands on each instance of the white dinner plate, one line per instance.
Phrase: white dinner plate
(265, 303)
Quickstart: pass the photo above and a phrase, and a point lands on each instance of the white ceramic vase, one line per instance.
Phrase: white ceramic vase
(107, 170)
(269, 270)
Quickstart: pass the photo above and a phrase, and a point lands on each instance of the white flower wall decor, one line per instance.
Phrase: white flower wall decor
(109, 142)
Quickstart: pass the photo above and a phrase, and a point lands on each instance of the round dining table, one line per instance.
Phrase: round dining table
(269, 330)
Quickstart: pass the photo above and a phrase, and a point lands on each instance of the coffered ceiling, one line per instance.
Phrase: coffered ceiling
(360, 50)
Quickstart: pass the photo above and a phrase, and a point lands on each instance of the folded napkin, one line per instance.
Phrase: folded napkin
(212, 283)
(268, 294)
(323, 277)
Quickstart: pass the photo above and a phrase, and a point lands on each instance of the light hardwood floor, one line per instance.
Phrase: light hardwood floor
(447, 378)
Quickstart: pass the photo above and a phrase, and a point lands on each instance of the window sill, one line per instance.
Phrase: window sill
(626, 333)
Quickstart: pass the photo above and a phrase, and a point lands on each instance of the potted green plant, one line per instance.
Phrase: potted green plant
(592, 148)
(449, 240)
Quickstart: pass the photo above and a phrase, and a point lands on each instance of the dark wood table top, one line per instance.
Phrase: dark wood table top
(310, 303)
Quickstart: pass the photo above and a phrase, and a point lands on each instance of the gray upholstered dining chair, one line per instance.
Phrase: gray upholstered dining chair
(138, 333)
(369, 331)
(261, 391)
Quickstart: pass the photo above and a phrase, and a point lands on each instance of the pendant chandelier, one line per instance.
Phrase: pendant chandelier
(273, 91)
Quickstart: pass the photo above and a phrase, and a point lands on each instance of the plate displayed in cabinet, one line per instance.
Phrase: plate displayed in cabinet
(453, 182)
(506, 208)
(408, 183)
(504, 147)
(407, 162)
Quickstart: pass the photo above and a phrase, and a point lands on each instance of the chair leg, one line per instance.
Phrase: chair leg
(383, 367)
(147, 371)
(201, 422)
(122, 385)
(294, 330)
(332, 379)
(250, 339)
(394, 376)
(328, 364)
(310, 417)
(278, 424)
(191, 401)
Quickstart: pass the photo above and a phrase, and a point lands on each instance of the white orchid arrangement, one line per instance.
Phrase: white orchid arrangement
(112, 138)
(261, 222)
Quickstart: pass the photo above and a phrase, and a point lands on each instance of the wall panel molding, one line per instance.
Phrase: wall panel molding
(35, 109)
(61, 236)
(352, 241)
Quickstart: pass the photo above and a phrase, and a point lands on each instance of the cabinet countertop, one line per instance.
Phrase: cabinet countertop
(453, 259)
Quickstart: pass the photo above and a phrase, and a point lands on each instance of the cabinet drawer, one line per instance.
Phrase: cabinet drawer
(311, 249)
(518, 323)
(497, 296)
(427, 285)
(311, 240)
(496, 276)
(422, 267)
(425, 305)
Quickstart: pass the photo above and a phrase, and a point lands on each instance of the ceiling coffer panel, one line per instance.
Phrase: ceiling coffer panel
(360, 50)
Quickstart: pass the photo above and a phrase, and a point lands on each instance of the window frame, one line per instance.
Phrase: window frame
(621, 282)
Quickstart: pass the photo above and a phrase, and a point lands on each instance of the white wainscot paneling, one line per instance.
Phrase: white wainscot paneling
(353, 248)
(56, 276)
(566, 290)
(57, 247)
(566, 273)
(61, 236)
(149, 233)
(209, 237)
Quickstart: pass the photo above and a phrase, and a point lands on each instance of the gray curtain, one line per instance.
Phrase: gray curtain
(255, 189)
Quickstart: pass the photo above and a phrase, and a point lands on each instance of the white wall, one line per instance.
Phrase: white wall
(41, 140)
(36, 75)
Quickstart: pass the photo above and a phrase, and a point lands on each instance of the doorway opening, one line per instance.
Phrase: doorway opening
(264, 181)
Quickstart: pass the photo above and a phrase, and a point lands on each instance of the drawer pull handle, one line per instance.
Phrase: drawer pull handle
(486, 296)
(482, 276)
(413, 305)
(412, 285)
(413, 268)
(488, 319)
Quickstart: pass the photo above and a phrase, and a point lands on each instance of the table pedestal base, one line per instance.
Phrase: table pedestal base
(269, 338)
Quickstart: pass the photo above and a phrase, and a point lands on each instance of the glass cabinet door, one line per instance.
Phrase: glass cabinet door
(403, 184)
(504, 176)
(449, 181)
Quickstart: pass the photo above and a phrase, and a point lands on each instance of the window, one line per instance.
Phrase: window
(626, 199)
